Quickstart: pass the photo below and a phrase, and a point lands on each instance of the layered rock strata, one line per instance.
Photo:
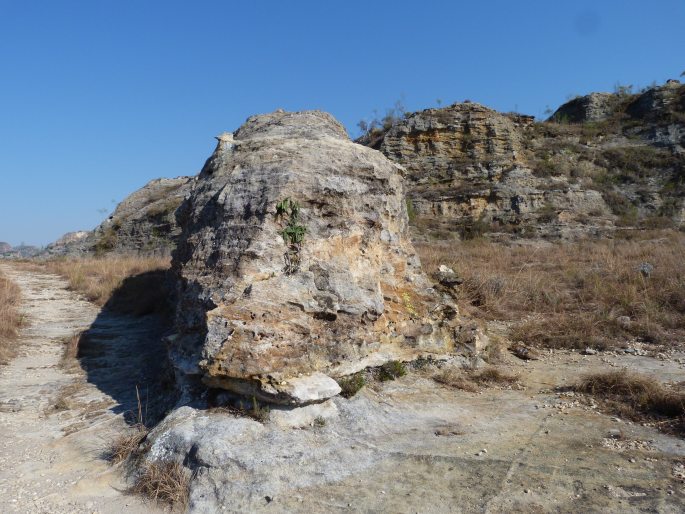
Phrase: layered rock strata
(602, 163)
(295, 265)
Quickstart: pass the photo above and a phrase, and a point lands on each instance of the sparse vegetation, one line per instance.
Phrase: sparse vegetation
(391, 370)
(372, 130)
(570, 295)
(165, 207)
(164, 481)
(472, 381)
(288, 211)
(636, 396)
(351, 384)
(411, 211)
(10, 318)
(112, 280)
(455, 378)
(108, 239)
(127, 444)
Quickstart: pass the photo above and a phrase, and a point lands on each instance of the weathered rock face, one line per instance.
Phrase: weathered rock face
(265, 313)
(144, 222)
(472, 170)
(592, 107)
(70, 243)
(432, 144)
(659, 102)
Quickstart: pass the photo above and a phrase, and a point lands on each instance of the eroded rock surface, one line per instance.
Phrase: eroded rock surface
(144, 222)
(602, 163)
(266, 312)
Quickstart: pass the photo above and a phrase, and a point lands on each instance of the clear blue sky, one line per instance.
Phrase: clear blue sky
(99, 96)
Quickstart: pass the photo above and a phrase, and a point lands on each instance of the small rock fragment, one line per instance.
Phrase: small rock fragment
(522, 351)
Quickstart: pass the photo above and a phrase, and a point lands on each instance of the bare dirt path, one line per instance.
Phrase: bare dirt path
(55, 423)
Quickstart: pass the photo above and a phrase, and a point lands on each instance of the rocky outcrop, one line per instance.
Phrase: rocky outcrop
(588, 108)
(144, 222)
(659, 103)
(296, 266)
(608, 161)
(70, 243)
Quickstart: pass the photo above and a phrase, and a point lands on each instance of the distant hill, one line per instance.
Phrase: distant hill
(8, 251)
(601, 163)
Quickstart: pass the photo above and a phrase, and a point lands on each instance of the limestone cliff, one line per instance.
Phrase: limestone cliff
(601, 163)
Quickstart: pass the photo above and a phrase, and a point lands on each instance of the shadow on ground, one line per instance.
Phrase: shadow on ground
(123, 353)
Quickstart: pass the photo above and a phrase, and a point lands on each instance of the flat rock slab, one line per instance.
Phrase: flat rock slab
(415, 446)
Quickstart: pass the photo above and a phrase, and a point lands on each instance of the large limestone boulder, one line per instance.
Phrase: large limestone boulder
(295, 265)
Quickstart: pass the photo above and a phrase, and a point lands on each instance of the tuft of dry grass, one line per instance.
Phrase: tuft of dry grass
(456, 379)
(493, 376)
(10, 318)
(127, 444)
(472, 382)
(635, 396)
(571, 295)
(165, 481)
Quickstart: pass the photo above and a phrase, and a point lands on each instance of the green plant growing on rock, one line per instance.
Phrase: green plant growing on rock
(351, 384)
(391, 370)
(288, 211)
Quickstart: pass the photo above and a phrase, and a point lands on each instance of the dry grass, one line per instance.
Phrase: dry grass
(166, 482)
(570, 295)
(10, 318)
(472, 382)
(98, 278)
(127, 444)
(635, 396)
(126, 284)
(456, 379)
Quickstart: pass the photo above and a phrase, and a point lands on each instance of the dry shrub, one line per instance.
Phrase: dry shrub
(492, 376)
(456, 379)
(130, 284)
(10, 318)
(572, 294)
(127, 444)
(166, 482)
(471, 381)
(634, 395)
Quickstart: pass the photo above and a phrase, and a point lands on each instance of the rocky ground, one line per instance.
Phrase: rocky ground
(56, 422)
(405, 446)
